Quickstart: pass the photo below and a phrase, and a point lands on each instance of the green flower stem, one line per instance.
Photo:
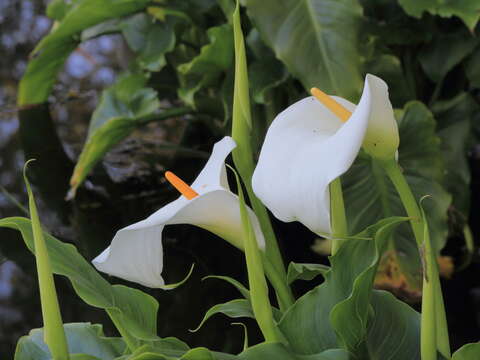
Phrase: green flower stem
(409, 202)
(433, 310)
(428, 336)
(277, 274)
(54, 334)
(262, 308)
(282, 290)
(337, 213)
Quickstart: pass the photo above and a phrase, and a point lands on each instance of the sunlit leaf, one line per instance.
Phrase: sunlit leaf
(122, 108)
(214, 60)
(53, 50)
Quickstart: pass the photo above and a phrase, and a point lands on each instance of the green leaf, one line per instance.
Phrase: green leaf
(394, 331)
(198, 354)
(434, 329)
(467, 352)
(266, 74)
(82, 338)
(121, 109)
(467, 10)
(279, 351)
(343, 298)
(52, 319)
(298, 271)
(234, 309)
(150, 39)
(53, 50)
(473, 70)
(41, 73)
(86, 13)
(457, 45)
(239, 286)
(370, 196)
(318, 41)
(214, 60)
(133, 312)
(454, 118)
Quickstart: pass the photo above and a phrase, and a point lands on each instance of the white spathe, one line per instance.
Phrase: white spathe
(136, 251)
(307, 147)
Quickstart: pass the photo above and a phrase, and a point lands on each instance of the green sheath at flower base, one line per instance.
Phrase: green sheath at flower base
(54, 334)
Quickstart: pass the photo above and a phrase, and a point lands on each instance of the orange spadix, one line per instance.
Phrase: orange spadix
(180, 185)
(339, 110)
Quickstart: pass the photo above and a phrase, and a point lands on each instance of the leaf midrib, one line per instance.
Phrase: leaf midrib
(321, 44)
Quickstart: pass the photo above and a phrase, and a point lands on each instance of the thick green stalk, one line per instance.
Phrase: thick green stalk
(428, 336)
(243, 154)
(282, 290)
(409, 202)
(337, 213)
(431, 275)
(54, 334)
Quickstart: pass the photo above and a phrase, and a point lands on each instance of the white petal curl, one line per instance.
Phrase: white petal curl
(307, 147)
(382, 138)
(136, 252)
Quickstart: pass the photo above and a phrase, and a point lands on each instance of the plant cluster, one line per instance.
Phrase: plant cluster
(381, 185)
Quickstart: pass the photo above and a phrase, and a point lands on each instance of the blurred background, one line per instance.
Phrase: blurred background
(128, 184)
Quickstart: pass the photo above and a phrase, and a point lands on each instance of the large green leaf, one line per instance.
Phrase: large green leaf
(214, 60)
(457, 45)
(316, 39)
(472, 69)
(133, 312)
(281, 352)
(394, 331)
(82, 338)
(150, 39)
(122, 108)
(53, 50)
(454, 118)
(335, 313)
(467, 10)
(369, 194)
(467, 352)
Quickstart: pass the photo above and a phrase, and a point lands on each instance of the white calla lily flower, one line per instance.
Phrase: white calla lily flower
(136, 251)
(310, 144)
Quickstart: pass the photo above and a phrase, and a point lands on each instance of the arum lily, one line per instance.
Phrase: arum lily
(312, 143)
(136, 254)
